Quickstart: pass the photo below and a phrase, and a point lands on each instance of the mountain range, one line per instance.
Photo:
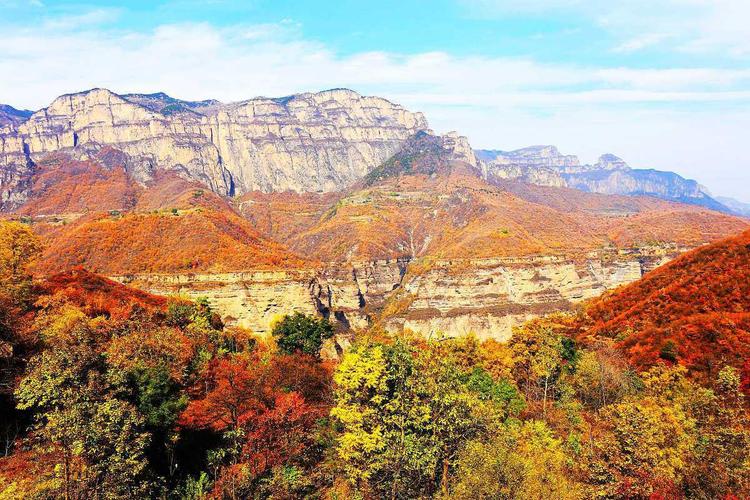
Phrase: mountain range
(545, 165)
(338, 204)
(310, 142)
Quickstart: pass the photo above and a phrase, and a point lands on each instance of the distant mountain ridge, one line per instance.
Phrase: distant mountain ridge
(12, 116)
(545, 165)
(738, 207)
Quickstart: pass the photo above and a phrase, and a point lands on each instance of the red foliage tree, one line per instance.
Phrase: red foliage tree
(264, 403)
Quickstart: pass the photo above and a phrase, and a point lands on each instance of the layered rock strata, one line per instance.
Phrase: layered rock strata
(446, 297)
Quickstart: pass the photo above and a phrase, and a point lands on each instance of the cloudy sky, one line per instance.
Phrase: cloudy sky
(662, 83)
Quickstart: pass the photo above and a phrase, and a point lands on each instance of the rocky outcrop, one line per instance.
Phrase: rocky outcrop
(610, 162)
(307, 142)
(445, 297)
(459, 147)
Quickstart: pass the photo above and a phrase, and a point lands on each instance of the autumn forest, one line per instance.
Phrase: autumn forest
(109, 392)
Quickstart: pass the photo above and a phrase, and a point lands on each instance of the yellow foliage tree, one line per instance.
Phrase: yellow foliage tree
(525, 461)
(19, 247)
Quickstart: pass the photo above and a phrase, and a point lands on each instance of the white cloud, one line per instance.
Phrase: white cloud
(641, 42)
(680, 118)
(76, 21)
(695, 26)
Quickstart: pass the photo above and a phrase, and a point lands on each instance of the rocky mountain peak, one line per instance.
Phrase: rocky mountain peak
(460, 148)
(68, 103)
(84, 109)
(609, 161)
(427, 154)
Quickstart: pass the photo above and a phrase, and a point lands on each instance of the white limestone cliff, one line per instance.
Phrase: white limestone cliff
(308, 142)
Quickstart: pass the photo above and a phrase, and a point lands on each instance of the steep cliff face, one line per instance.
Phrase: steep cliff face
(546, 166)
(486, 297)
(346, 293)
(306, 142)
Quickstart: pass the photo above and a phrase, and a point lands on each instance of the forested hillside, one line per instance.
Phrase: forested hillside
(108, 392)
(694, 311)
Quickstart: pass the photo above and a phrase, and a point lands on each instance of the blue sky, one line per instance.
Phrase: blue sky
(662, 83)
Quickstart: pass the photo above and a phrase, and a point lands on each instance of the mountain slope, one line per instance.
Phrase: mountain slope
(62, 185)
(694, 310)
(184, 240)
(428, 200)
(97, 295)
(96, 217)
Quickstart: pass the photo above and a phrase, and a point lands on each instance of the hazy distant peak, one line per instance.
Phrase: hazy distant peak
(539, 155)
(608, 161)
(11, 115)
